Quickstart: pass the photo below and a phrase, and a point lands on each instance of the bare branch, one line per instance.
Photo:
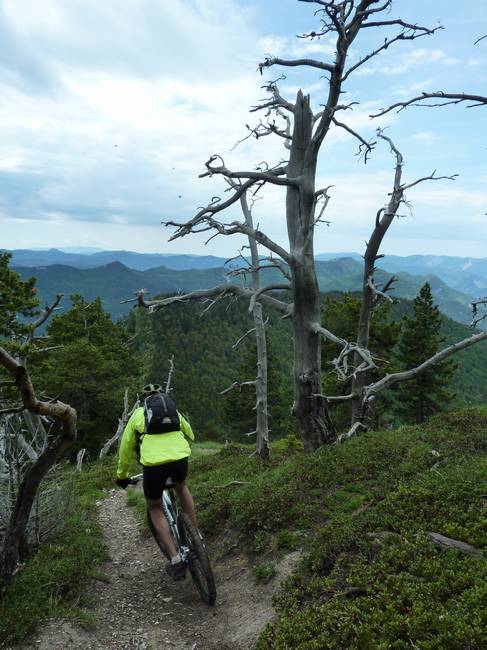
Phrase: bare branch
(431, 177)
(410, 33)
(365, 147)
(277, 100)
(46, 312)
(377, 292)
(169, 375)
(237, 343)
(219, 290)
(348, 349)
(389, 380)
(313, 63)
(262, 290)
(334, 398)
(476, 318)
(351, 432)
(273, 176)
(450, 98)
(239, 385)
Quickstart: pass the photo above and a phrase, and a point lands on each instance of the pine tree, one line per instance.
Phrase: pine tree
(17, 298)
(427, 393)
(90, 370)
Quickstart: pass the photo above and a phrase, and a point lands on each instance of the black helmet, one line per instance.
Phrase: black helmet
(150, 389)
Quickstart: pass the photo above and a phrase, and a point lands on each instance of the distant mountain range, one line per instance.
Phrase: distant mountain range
(465, 274)
(136, 261)
(115, 282)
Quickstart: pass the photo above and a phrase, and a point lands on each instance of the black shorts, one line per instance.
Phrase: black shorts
(155, 477)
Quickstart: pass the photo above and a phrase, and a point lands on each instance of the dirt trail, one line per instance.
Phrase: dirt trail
(141, 608)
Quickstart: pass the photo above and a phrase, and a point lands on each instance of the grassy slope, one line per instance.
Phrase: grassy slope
(354, 591)
(52, 584)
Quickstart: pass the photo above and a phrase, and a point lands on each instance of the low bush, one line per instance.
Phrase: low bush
(51, 584)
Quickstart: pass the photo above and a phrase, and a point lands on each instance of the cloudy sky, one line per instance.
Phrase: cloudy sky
(108, 111)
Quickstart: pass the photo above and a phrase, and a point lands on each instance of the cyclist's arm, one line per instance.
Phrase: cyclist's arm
(127, 446)
(186, 428)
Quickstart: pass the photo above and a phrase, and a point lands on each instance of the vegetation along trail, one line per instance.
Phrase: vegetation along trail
(139, 607)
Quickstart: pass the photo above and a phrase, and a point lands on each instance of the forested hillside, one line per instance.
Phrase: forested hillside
(206, 362)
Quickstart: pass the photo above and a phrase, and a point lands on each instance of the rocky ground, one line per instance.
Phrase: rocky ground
(139, 607)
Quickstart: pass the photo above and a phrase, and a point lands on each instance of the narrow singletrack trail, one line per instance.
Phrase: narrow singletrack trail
(140, 607)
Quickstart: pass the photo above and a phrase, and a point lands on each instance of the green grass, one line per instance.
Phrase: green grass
(370, 578)
(356, 589)
(52, 582)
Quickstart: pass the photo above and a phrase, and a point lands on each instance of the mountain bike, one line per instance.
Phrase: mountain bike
(188, 541)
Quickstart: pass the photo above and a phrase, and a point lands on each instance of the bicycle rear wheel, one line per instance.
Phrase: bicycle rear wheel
(198, 560)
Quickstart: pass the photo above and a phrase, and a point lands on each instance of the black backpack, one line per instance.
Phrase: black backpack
(160, 414)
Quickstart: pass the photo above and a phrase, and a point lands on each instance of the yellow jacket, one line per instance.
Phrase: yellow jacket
(155, 449)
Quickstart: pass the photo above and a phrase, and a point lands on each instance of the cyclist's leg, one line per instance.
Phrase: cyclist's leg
(155, 478)
(161, 525)
(186, 501)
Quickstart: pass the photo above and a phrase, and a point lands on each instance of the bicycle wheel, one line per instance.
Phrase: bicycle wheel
(198, 560)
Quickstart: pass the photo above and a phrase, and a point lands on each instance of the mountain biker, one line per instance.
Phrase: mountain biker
(162, 456)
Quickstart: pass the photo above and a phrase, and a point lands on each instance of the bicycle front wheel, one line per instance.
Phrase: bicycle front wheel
(198, 560)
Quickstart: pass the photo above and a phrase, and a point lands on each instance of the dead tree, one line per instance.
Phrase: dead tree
(122, 421)
(371, 294)
(303, 132)
(66, 415)
(260, 383)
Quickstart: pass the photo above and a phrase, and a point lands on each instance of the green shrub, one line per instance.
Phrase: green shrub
(264, 572)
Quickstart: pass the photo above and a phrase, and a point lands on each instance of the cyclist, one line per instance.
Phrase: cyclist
(162, 456)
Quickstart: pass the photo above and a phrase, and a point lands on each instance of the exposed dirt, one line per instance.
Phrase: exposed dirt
(141, 608)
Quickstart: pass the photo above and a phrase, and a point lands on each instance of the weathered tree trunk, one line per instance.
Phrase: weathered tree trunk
(9, 555)
(262, 428)
(261, 406)
(382, 223)
(311, 411)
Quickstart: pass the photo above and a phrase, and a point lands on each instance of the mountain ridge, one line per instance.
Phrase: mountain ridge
(115, 282)
(465, 274)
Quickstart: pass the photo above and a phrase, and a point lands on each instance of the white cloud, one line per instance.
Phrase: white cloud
(425, 136)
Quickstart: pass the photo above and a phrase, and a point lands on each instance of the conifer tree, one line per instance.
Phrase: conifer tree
(90, 370)
(427, 393)
(17, 298)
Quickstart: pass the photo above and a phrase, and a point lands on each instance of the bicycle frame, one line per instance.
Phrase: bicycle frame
(171, 513)
(170, 509)
(188, 541)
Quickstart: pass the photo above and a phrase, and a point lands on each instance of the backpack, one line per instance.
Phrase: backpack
(160, 414)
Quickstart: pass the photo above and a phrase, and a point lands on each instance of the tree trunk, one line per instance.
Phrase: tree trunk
(311, 411)
(359, 380)
(262, 415)
(19, 518)
(262, 427)
(9, 555)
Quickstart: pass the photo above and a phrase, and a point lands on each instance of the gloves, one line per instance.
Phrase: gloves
(122, 482)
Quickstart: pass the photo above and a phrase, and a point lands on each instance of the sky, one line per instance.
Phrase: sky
(109, 110)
